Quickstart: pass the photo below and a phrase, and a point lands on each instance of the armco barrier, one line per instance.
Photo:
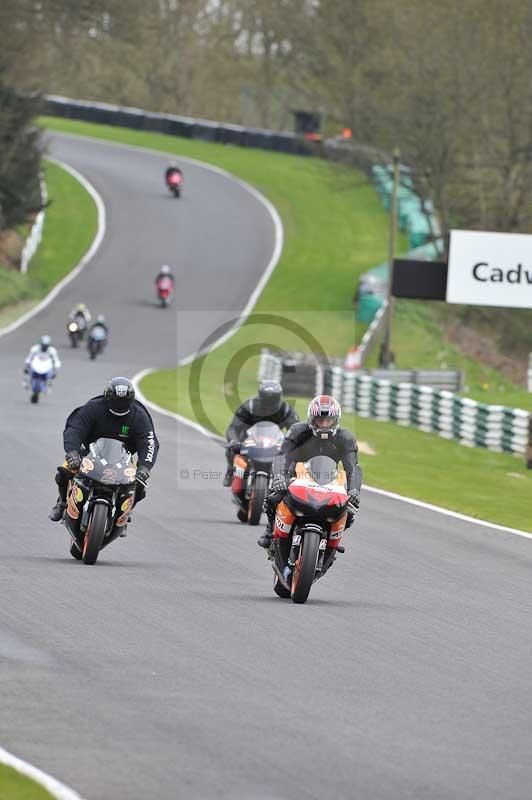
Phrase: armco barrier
(429, 409)
(205, 129)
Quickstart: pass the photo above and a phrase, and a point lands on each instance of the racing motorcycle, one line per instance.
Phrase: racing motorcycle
(76, 330)
(165, 290)
(309, 524)
(40, 373)
(96, 341)
(175, 183)
(252, 467)
(100, 498)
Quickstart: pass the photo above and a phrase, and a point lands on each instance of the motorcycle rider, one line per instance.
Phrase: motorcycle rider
(99, 322)
(267, 406)
(44, 346)
(164, 272)
(115, 414)
(319, 436)
(80, 312)
(172, 170)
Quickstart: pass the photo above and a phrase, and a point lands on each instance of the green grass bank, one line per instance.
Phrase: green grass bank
(14, 786)
(69, 228)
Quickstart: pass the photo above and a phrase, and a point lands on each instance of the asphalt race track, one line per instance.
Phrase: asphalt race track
(170, 669)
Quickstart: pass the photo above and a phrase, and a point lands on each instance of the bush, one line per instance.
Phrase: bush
(20, 156)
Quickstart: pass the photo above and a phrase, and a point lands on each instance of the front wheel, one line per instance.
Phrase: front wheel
(305, 568)
(35, 396)
(95, 533)
(256, 501)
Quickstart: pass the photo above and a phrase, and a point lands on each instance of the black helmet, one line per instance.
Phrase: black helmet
(269, 400)
(119, 395)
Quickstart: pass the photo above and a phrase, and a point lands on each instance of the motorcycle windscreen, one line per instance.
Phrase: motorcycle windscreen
(264, 434)
(109, 462)
(98, 334)
(322, 469)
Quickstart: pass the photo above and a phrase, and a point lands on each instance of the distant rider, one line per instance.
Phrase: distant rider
(44, 346)
(173, 169)
(319, 436)
(115, 414)
(164, 272)
(267, 406)
(99, 322)
(80, 312)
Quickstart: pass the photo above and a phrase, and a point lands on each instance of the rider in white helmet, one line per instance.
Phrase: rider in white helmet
(165, 272)
(44, 346)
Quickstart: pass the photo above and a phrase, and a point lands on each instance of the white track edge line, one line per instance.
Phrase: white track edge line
(274, 215)
(96, 242)
(51, 784)
(392, 495)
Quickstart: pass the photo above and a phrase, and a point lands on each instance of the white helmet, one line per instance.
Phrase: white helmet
(165, 269)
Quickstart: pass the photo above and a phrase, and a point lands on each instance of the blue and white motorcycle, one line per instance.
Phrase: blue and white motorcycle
(96, 341)
(40, 373)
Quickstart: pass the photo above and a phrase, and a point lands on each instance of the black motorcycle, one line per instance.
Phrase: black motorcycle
(96, 341)
(100, 499)
(252, 467)
(76, 330)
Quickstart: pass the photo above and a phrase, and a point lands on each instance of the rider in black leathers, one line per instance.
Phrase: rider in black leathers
(267, 406)
(113, 415)
(319, 436)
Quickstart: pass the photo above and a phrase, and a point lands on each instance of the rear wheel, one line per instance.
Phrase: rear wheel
(256, 501)
(305, 568)
(95, 532)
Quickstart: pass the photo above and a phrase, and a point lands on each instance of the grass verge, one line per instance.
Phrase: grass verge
(69, 228)
(14, 786)
(335, 229)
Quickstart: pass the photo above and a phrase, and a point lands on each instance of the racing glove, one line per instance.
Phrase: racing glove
(142, 476)
(73, 460)
(279, 484)
(354, 498)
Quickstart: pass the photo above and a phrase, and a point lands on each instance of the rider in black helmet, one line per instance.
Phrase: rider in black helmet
(115, 414)
(267, 406)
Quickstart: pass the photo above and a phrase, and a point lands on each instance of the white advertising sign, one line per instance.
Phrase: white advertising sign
(490, 269)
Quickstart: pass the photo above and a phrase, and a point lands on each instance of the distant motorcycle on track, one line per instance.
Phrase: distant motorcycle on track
(40, 374)
(100, 498)
(309, 524)
(76, 330)
(165, 291)
(97, 339)
(252, 467)
(174, 182)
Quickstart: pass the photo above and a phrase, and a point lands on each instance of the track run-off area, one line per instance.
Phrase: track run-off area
(170, 668)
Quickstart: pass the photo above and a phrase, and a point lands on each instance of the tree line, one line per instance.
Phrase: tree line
(448, 83)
